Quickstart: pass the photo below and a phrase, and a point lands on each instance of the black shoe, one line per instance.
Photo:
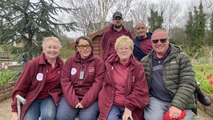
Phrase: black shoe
(204, 100)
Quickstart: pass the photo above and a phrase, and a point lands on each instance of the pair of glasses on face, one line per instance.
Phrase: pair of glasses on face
(163, 40)
(84, 46)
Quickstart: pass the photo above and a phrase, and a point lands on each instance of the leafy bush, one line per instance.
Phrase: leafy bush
(9, 75)
(204, 77)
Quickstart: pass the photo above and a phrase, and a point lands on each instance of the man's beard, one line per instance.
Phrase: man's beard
(117, 26)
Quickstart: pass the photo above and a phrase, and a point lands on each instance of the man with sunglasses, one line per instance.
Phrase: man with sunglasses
(143, 45)
(170, 78)
(110, 35)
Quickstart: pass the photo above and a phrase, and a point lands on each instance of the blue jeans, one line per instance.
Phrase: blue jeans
(43, 108)
(157, 108)
(65, 112)
(115, 113)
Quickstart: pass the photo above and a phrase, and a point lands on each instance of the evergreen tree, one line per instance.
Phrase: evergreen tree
(195, 31)
(211, 31)
(155, 20)
(28, 21)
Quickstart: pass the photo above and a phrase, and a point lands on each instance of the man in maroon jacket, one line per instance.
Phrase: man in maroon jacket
(110, 35)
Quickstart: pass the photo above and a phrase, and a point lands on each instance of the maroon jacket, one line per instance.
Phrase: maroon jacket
(86, 90)
(136, 89)
(28, 85)
(108, 40)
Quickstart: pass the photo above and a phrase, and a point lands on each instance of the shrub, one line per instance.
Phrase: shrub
(9, 75)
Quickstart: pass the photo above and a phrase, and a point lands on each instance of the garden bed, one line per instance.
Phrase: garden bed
(6, 90)
(207, 109)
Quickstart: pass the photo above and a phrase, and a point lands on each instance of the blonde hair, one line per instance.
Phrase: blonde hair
(124, 39)
(52, 38)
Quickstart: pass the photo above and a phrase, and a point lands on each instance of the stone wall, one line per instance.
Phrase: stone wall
(6, 90)
(207, 109)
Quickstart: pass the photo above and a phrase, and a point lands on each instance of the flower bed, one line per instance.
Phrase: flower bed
(204, 77)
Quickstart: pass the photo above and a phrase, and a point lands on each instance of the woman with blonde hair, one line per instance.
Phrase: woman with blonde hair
(39, 84)
(124, 92)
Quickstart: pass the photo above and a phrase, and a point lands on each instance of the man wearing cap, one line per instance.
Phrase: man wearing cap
(171, 80)
(110, 35)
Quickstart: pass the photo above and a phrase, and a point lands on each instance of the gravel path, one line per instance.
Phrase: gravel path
(5, 111)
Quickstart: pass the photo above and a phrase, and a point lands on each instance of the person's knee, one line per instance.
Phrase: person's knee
(88, 116)
(64, 117)
(48, 117)
(112, 117)
(155, 116)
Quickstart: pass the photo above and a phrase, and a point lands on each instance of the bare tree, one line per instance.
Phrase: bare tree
(139, 11)
(91, 15)
(171, 14)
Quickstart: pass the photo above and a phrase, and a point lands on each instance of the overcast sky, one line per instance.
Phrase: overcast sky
(185, 5)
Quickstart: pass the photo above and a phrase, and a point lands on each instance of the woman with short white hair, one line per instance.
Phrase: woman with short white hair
(39, 84)
(124, 92)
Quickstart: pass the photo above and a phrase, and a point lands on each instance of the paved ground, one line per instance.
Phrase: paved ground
(5, 111)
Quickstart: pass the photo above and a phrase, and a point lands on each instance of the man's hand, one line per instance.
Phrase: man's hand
(14, 116)
(174, 112)
(127, 114)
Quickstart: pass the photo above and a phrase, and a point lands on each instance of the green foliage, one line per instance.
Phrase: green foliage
(9, 75)
(202, 71)
(195, 31)
(27, 22)
(155, 20)
(210, 38)
(66, 51)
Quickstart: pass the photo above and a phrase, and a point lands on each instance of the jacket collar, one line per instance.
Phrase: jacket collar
(139, 38)
(114, 58)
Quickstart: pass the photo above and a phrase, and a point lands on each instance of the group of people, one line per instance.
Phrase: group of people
(142, 78)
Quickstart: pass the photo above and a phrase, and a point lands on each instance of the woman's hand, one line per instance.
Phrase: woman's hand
(14, 116)
(127, 114)
(79, 105)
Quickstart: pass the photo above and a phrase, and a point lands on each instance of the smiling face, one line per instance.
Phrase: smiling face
(84, 48)
(124, 52)
(160, 42)
(140, 29)
(51, 49)
(124, 47)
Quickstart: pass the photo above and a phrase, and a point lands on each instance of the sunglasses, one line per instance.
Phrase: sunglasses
(84, 46)
(117, 18)
(161, 40)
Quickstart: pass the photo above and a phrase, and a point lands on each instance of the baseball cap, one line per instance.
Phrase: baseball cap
(117, 14)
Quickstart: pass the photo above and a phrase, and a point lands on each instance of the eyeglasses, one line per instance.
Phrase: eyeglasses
(84, 46)
(161, 40)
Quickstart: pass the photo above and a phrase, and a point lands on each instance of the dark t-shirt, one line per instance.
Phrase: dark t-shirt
(158, 88)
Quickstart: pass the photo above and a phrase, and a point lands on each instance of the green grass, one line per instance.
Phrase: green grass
(201, 77)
